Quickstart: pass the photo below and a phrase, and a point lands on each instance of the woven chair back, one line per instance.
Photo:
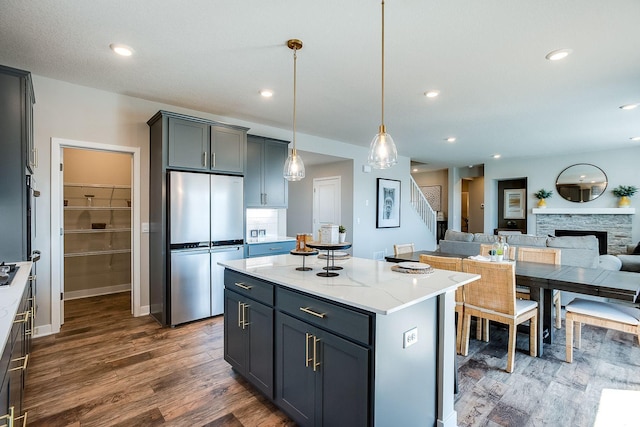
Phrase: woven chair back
(541, 255)
(403, 248)
(445, 263)
(496, 289)
(486, 247)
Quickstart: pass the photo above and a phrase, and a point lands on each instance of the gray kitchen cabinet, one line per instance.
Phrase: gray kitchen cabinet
(13, 365)
(316, 353)
(199, 145)
(265, 186)
(322, 379)
(248, 329)
(18, 155)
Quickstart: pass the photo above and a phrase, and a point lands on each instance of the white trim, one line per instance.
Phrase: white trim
(87, 293)
(584, 211)
(57, 222)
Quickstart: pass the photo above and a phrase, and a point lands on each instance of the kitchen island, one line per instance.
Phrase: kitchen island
(369, 347)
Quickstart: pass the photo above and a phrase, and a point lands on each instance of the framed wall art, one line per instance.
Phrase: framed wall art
(514, 204)
(388, 203)
(433, 195)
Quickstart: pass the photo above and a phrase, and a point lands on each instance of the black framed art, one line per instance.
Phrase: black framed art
(388, 203)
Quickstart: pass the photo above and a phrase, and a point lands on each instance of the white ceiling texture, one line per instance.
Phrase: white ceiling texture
(498, 93)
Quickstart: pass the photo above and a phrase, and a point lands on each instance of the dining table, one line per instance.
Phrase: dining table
(543, 279)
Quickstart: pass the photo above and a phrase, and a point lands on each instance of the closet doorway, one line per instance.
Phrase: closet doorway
(97, 223)
(95, 199)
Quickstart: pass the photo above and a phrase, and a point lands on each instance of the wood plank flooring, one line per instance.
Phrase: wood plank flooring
(107, 368)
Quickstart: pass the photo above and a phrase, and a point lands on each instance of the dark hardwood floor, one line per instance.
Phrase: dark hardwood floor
(107, 368)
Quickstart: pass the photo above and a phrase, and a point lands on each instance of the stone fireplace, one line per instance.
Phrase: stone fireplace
(616, 222)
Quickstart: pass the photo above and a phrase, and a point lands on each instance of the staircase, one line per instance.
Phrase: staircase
(422, 207)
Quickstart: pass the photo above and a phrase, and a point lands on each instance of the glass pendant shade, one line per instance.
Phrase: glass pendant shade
(382, 151)
(293, 167)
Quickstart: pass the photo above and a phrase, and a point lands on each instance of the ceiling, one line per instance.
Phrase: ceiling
(498, 93)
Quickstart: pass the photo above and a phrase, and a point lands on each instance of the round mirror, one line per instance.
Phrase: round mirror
(581, 182)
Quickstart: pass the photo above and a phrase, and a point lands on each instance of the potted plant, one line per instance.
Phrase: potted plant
(623, 192)
(342, 234)
(541, 195)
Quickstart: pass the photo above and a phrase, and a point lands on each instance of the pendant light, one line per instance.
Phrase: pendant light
(382, 151)
(294, 167)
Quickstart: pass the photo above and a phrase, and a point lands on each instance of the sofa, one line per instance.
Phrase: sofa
(577, 251)
(631, 261)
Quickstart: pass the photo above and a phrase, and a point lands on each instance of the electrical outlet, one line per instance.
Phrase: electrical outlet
(410, 337)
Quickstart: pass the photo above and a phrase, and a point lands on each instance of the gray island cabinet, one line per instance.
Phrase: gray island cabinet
(369, 347)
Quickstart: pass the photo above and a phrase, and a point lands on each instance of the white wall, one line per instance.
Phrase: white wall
(69, 111)
(620, 166)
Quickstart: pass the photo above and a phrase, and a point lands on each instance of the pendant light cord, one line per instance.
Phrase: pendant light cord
(295, 59)
(382, 109)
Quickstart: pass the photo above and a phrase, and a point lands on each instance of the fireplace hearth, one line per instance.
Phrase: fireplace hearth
(600, 235)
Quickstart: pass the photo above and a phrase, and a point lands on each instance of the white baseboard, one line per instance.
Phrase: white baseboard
(86, 293)
(144, 310)
(42, 331)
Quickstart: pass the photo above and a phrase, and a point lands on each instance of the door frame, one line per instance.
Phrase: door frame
(314, 216)
(57, 222)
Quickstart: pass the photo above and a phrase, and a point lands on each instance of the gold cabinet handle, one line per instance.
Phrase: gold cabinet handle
(25, 319)
(23, 367)
(245, 323)
(316, 364)
(24, 419)
(204, 159)
(240, 313)
(8, 417)
(242, 286)
(307, 359)
(313, 313)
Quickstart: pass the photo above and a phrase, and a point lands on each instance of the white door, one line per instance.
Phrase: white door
(326, 202)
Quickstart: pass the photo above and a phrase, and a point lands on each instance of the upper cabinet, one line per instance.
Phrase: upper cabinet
(18, 160)
(264, 184)
(196, 144)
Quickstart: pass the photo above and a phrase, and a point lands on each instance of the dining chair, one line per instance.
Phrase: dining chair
(493, 297)
(453, 264)
(486, 247)
(598, 313)
(403, 248)
(544, 256)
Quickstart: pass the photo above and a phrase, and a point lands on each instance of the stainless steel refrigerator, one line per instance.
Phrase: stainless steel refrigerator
(206, 223)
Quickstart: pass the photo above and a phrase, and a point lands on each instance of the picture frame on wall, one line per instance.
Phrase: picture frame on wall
(514, 204)
(388, 203)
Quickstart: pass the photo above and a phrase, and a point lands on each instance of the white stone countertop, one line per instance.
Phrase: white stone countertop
(269, 239)
(10, 299)
(363, 283)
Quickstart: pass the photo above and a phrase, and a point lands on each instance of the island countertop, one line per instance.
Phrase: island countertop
(363, 283)
(10, 297)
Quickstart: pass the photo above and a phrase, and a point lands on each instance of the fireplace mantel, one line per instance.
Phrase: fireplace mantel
(584, 211)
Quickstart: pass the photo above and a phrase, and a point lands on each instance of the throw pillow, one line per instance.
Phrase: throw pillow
(636, 251)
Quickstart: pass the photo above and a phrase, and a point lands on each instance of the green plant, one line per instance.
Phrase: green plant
(624, 190)
(543, 194)
(341, 229)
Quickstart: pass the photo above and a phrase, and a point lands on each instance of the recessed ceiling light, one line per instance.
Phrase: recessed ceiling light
(266, 93)
(121, 49)
(635, 138)
(629, 106)
(496, 156)
(432, 93)
(451, 139)
(415, 170)
(558, 54)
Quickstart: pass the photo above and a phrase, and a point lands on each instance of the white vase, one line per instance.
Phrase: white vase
(342, 237)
